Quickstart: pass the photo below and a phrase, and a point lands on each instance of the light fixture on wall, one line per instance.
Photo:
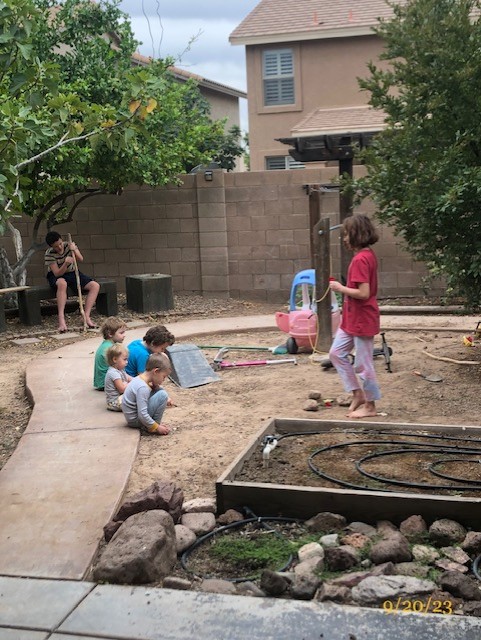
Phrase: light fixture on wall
(208, 176)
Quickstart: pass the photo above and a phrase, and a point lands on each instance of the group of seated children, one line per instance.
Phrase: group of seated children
(132, 377)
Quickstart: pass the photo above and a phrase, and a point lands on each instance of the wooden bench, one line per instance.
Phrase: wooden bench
(29, 308)
(3, 324)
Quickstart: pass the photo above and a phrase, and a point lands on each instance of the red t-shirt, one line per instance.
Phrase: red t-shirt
(361, 317)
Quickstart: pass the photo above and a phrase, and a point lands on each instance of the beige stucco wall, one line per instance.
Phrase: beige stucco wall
(242, 234)
(326, 73)
(222, 106)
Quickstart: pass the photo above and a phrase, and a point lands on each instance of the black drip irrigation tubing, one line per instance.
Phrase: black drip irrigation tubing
(409, 447)
(476, 567)
(417, 485)
(262, 520)
(433, 470)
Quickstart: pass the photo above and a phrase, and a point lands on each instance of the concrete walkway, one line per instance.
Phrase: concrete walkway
(65, 481)
(68, 474)
(39, 609)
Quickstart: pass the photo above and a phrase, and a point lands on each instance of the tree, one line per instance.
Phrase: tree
(424, 169)
(78, 120)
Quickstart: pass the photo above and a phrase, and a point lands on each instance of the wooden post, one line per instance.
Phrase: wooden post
(314, 217)
(79, 288)
(345, 210)
(322, 258)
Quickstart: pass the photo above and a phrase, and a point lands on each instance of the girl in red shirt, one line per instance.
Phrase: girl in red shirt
(360, 318)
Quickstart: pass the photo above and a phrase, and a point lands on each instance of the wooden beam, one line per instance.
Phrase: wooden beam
(13, 289)
(321, 240)
(345, 210)
(314, 216)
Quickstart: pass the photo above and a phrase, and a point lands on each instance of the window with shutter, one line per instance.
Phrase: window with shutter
(278, 77)
(274, 163)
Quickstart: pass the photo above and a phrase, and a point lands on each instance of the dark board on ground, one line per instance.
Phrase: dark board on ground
(189, 366)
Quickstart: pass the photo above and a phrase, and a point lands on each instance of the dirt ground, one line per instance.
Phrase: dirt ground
(212, 424)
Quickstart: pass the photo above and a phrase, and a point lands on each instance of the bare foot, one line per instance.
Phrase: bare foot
(358, 399)
(367, 410)
(62, 328)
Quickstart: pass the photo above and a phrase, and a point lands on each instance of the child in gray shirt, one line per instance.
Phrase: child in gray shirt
(116, 378)
(144, 400)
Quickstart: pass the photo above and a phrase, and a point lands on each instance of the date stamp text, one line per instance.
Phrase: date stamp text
(404, 605)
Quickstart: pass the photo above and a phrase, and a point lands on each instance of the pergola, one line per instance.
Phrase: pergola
(328, 135)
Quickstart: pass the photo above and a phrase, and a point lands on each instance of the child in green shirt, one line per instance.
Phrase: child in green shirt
(113, 330)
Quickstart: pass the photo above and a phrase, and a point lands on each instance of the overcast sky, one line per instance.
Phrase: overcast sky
(173, 23)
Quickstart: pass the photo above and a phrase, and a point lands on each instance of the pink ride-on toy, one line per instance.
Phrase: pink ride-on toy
(301, 321)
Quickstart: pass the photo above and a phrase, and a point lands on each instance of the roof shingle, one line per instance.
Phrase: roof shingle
(340, 120)
(310, 17)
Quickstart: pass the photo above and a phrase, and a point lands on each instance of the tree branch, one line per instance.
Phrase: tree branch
(63, 141)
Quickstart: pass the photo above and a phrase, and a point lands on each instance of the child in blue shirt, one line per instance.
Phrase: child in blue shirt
(156, 340)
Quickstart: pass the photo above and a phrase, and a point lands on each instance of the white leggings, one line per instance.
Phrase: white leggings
(363, 364)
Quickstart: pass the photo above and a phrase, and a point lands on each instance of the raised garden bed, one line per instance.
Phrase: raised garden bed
(240, 485)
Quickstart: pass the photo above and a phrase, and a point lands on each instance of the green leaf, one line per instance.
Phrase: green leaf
(25, 50)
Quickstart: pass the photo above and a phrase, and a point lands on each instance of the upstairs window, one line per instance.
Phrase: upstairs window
(278, 77)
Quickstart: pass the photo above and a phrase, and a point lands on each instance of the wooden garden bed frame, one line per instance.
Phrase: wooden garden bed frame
(267, 499)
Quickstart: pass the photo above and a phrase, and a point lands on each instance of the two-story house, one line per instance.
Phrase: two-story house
(223, 100)
(303, 58)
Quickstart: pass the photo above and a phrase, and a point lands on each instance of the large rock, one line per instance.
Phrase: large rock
(199, 505)
(311, 566)
(199, 523)
(352, 578)
(184, 538)
(361, 527)
(215, 585)
(142, 550)
(393, 548)
(375, 590)
(356, 540)
(385, 528)
(230, 516)
(310, 550)
(414, 528)
(411, 569)
(460, 586)
(160, 495)
(304, 587)
(472, 542)
(424, 553)
(249, 588)
(272, 583)
(472, 608)
(174, 582)
(326, 522)
(446, 532)
(330, 540)
(341, 558)
(333, 593)
(455, 554)
(449, 565)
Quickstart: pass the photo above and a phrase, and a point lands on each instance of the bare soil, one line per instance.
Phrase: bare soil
(212, 424)
(308, 460)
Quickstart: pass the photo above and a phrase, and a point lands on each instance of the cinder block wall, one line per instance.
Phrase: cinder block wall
(241, 234)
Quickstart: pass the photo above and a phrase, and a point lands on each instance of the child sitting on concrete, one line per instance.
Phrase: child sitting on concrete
(113, 330)
(156, 340)
(144, 400)
(116, 379)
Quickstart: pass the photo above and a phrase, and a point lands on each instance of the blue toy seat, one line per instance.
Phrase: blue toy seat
(308, 276)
